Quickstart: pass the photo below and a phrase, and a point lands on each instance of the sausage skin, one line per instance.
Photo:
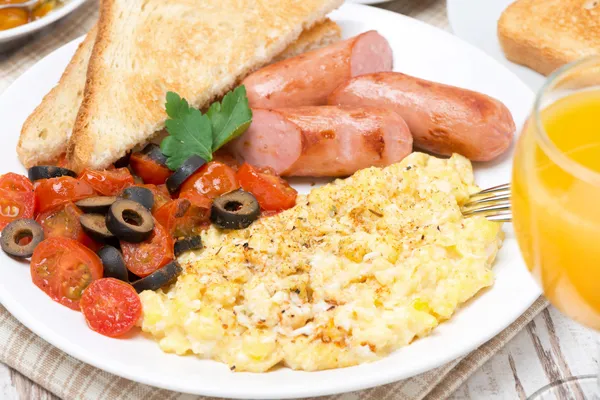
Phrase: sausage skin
(307, 79)
(323, 141)
(442, 119)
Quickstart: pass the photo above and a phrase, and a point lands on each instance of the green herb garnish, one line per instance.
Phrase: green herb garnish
(191, 132)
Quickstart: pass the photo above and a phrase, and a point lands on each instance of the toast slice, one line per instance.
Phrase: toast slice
(546, 34)
(145, 48)
(46, 131)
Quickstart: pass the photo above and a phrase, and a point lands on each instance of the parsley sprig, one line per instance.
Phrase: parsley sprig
(191, 132)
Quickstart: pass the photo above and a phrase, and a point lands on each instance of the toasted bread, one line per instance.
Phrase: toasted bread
(46, 131)
(546, 34)
(145, 48)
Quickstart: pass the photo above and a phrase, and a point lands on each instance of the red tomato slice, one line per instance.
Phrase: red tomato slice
(51, 193)
(144, 258)
(148, 169)
(64, 222)
(108, 182)
(272, 192)
(16, 183)
(212, 180)
(161, 195)
(111, 307)
(63, 268)
(172, 213)
(17, 199)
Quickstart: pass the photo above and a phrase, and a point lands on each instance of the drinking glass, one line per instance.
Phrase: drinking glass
(556, 202)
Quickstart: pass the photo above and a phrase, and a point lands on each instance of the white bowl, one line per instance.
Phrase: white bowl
(13, 37)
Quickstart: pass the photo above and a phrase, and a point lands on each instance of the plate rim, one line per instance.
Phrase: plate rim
(77, 351)
(31, 27)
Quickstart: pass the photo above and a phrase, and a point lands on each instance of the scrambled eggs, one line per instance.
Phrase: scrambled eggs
(359, 268)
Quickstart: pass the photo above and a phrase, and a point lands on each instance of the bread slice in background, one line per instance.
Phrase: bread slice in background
(145, 48)
(46, 131)
(546, 34)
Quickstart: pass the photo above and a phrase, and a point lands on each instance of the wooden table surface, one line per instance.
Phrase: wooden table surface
(549, 348)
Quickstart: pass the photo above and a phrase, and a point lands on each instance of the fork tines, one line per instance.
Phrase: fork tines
(492, 203)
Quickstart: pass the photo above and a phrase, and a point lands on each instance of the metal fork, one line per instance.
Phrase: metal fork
(492, 203)
(27, 4)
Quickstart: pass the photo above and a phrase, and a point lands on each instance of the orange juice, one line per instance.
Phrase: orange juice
(556, 204)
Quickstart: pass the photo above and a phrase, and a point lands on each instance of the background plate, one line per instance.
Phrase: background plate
(476, 21)
(430, 54)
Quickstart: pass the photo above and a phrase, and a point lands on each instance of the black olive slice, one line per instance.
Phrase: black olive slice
(96, 205)
(234, 210)
(94, 225)
(187, 244)
(141, 195)
(129, 221)
(15, 232)
(123, 161)
(114, 265)
(47, 172)
(154, 152)
(187, 169)
(159, 278)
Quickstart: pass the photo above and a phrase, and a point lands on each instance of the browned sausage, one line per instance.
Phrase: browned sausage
(307, 79)
(442, 119)
(323, 141)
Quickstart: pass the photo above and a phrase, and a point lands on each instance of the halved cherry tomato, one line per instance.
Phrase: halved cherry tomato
(111, 307)
(172, 213)
(62, 161)
(16, 183)
(54, 192)
(188, 215)
(17, 199)
(63, 268)
(108, 182)
(212, 180)
(148, 169)
(161, 195)
(64, 222)
(272, 192)
(144, 258)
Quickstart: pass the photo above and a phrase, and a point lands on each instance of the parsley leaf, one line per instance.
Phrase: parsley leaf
(229, 118)
(191, 132)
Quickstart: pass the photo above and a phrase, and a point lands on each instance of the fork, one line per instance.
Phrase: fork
(492, 203)
(27, 4)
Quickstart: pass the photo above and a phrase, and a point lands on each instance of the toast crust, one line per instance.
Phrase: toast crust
(547, 34)
(202, 59)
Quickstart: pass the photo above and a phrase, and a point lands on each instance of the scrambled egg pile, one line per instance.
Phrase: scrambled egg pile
(359, 268)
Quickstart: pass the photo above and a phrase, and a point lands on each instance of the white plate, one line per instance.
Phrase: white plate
(476, 21)
(430, 53)
(9, 36)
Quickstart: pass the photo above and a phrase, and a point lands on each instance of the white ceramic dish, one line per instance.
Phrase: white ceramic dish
(476, 21)
(11, 37)
(431, 54)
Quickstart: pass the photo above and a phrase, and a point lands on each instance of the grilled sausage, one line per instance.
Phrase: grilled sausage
(307, 79)
(323, 141)
(442, 119)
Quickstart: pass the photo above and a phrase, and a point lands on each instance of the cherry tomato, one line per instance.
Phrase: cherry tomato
(212, 180)
(144, 258)
(272, 192)
(108, 182)
(161, 195)
(16, 183)
(17, 199)
(63, 268)
(64, 222)
(54, 192)
(172, 213)
(148, 169)
(111, 307)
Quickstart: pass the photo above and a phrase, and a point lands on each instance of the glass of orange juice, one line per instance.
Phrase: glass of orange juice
(556, 202)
